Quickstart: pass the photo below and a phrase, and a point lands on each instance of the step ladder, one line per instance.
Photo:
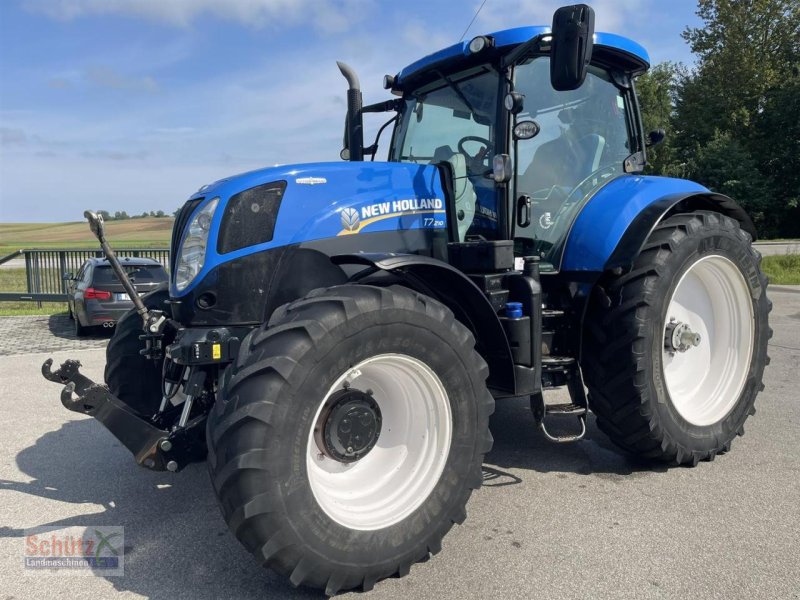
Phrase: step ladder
(577, 408)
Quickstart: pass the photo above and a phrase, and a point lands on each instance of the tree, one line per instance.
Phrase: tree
(160, 214)
(745, 48)
(726, 119)
(105, 214)
(776, 146)
(121, 215)
(657, 93)
(724, 165)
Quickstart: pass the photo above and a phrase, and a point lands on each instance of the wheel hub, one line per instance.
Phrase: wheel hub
(679, 337)
(348, 426)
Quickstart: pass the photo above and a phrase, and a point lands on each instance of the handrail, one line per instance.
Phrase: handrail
(8, 257)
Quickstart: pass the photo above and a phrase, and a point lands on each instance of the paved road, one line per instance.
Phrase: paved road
(47, 333)
(582, 521)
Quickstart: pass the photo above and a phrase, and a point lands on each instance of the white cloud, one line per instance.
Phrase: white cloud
(610, 15)
(325, 15)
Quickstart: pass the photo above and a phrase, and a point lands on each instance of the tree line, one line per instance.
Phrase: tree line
(121, 215)
(733, 119)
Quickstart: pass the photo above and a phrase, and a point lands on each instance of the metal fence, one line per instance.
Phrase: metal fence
(45, 269)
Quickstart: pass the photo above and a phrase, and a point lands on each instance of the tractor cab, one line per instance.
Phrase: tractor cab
(523, 156)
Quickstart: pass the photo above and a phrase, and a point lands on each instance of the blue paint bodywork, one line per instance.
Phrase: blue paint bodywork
(601, 224)
(519, 35)
(312, 211)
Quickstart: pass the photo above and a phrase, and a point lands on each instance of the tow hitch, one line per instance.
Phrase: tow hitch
(154, 443)
(152, 447)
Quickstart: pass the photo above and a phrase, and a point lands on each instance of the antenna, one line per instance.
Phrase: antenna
(473, 20)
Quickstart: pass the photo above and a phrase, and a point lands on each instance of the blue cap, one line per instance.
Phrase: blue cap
(514, 310)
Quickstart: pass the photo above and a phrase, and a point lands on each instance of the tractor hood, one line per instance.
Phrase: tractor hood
(320, 200)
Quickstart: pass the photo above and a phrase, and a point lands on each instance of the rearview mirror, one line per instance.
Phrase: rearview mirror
(67, 277)
(573, 41)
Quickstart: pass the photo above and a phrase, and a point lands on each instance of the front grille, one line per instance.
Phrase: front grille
(249, 217)
(181, 220)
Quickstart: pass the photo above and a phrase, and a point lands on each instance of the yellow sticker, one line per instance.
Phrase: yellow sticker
(216, 351)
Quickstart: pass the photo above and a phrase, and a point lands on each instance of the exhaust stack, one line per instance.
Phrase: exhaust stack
(354, 129)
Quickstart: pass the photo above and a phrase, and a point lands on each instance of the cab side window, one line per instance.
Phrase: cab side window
(582, 143)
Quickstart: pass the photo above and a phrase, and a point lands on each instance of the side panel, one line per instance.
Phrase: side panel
(333, 200)
(602, 223)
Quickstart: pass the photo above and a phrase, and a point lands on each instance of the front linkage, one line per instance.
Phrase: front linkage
(171, 438)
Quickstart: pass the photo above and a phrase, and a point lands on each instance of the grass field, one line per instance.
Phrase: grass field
(782, 269)
(148, 232)
(13, 280)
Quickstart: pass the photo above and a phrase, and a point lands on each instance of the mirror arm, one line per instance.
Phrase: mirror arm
(513, 57)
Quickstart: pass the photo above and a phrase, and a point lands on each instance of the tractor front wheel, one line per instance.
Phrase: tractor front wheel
(349, 434)
(675, 349)
(130, 376)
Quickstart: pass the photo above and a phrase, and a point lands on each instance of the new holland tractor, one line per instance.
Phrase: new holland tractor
(334, 336)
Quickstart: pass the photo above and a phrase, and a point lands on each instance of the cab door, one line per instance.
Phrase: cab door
(583, 139)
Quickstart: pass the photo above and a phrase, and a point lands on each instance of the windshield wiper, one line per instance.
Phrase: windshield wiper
(457, 90)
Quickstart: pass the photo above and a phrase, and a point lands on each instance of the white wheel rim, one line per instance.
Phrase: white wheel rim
(396, 476)
(705, 381)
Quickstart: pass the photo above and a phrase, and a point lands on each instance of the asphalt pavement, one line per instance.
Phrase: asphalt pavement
(575, 521)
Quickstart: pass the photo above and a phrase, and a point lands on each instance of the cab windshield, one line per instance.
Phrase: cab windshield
(453, 120)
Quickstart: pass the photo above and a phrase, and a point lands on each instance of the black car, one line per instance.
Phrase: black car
(96, 297)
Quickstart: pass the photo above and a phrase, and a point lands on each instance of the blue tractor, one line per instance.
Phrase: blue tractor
(334, 336)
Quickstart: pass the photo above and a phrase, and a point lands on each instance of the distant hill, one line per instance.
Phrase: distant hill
(148, 232)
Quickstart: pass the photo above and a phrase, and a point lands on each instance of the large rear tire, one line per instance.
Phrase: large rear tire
(675, 349)
(130, 376)
(310, 496)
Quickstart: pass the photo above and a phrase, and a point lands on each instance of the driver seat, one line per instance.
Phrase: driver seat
(465, 196)
(558, 162)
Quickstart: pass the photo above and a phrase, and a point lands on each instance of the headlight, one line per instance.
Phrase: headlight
(192, 254)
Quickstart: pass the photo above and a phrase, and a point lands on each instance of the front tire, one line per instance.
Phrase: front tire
(310, 496)
(130, 376)
(675, 349)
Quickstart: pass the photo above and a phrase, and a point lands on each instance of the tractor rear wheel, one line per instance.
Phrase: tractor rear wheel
(130, 376)
(675, 349)
(349, 434)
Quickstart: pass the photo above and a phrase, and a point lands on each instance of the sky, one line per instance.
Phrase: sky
(134, 104)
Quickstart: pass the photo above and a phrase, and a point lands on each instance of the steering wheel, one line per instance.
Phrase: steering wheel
(476, 161)
(590, 182)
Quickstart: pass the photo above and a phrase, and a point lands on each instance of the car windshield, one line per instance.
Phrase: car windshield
(452, 120)
(137, 274)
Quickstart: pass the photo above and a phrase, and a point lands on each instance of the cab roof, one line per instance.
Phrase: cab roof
(620, 51)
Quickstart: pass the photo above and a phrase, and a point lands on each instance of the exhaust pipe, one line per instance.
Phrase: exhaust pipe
(355, 126)
(109, 324)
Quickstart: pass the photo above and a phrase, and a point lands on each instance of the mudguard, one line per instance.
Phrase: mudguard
(614, 224)
(455, 290)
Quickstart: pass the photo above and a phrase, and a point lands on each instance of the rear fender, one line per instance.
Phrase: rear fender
(642, 226)
(453, 289)
(613, 226)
